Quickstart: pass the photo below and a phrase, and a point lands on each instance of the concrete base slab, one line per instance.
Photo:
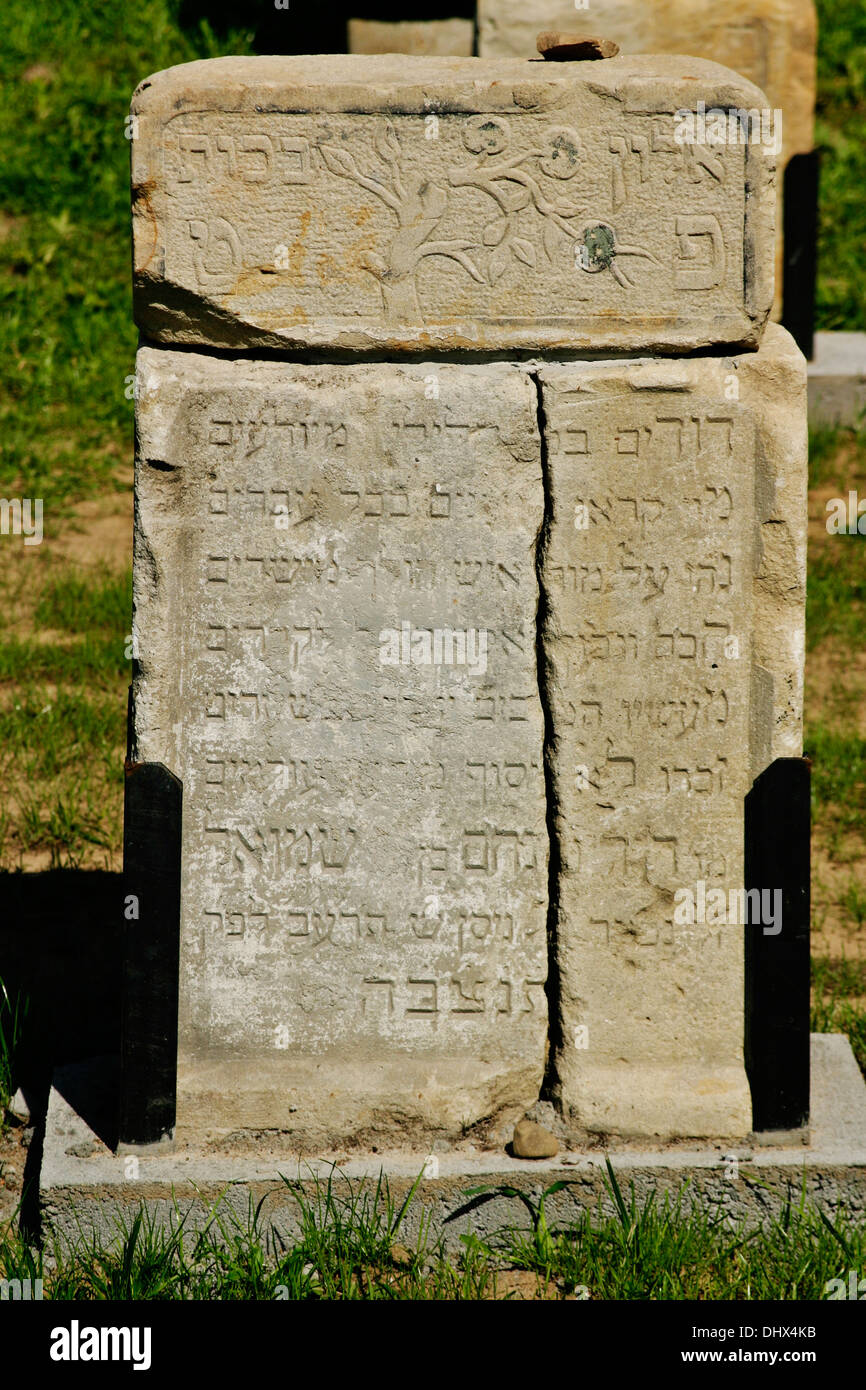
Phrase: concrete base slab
(85, 1187)
(837, 379)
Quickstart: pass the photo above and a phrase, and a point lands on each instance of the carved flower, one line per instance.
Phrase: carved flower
(388, 144)
(485, 135)
(561, 152)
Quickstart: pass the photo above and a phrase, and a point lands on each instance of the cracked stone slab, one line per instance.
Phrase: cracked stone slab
(674, 576)
(364, 861)
(773, 43)
(398, 204)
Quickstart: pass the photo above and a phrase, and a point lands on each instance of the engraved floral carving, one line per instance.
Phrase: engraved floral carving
(485, 135)
(418, 206)
(514, 183)
(598, 249)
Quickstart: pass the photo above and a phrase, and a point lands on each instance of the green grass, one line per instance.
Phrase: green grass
(50, 737)
(95, 610)
(831, 450)
(61, 766)
(90, 660)
(839, 996)
(347, 1249)
(836, 592)
(67, 340)
(854, 902)
(63, 715)
(75, 600)
(838, 779)
(840, 133)
(674, 1249)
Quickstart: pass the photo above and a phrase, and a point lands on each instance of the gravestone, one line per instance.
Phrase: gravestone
(442, 38)
(335, 601)
(674, 572)
(465, 666)
(771, 42)
(392, 204)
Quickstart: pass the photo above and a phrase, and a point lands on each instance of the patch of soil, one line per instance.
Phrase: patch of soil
(98, 533)
(521, 1285)
(836, 686)
(13, 1155)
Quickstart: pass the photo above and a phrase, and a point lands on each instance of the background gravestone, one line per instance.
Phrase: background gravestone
(441, 37)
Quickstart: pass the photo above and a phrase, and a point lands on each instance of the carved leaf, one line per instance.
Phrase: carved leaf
(567, 209)
(495, 231)
(498, 263)
(524, 251)
(516, 195)
(338, 161)
(388, 144)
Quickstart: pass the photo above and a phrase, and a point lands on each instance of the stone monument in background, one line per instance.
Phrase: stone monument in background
(423, 38)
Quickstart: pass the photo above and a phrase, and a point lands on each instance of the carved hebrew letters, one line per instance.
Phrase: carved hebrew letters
(365, 849)
(771, 42)
(650, 637)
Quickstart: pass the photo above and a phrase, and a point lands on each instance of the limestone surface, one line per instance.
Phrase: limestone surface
(398, 204)
(335, 602)
(444, 38)
(771, 42)
(674, 580)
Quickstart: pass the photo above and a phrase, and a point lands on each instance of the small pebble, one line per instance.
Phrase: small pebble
(533, 1141)
(574, 48)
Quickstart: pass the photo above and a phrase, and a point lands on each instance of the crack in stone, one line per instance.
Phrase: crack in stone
(549, 1086)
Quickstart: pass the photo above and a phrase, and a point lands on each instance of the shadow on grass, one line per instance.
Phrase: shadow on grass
(60, 950)
(60, 947)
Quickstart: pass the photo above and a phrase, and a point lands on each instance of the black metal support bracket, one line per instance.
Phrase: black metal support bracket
(153, 801)
(777, 828)
(800, 267)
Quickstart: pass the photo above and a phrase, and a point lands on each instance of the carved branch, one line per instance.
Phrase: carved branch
(636, 251)
(455, 250)
(342, 163)
(507, 170)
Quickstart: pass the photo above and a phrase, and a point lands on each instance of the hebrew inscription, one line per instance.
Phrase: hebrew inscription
(480, 205)
(335, 608)
(648, 573)
(771, 42)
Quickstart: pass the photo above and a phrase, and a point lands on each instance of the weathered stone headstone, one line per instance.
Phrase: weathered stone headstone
(674, 571)
(443, 38)
(397, 623)
(771, 42)
(335, 604)
(398, 204)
